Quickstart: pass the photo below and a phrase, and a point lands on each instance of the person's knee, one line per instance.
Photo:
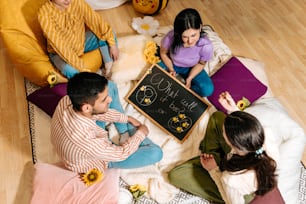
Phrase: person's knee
(218, 117)
(157, 153)
(69, 71)
(175, 177)
(112, 89)
(209, 89)
(172, 176)
(206, 89)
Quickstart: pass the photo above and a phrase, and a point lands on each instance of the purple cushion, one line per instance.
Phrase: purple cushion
(47, 98)
(235, 78)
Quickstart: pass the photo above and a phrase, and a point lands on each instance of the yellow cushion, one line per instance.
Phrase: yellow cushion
(25, 44)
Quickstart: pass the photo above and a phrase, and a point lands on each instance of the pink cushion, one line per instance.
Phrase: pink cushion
(238, 80)
(47, 98)
(54, 184)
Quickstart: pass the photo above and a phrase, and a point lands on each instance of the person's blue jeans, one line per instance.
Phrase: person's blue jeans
(91, 43)
(201, 83)
(148, 153)
(115, 104)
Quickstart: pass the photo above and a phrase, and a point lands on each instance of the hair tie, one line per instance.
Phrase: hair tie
(259, 151)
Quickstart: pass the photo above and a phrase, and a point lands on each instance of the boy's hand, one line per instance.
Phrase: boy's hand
(134, 121)
(144, 129)
(114, 52)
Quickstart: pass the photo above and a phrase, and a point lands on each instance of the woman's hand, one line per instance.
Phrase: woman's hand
(188, 82)
(193, 73)
(172, 73)
(208, 161)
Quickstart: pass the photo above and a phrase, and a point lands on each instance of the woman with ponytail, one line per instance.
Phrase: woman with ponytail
(234, 166)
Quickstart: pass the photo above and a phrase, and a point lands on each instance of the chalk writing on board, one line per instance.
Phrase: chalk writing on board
(167, 102)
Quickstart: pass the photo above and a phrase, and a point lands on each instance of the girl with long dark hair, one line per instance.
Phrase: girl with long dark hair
(234, 165)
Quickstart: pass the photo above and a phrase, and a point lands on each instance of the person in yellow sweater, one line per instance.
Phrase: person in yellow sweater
(73, 28)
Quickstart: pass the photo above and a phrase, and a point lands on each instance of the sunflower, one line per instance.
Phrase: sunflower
(91, 177)
(52, 79)
(151, 53)
(137, 190)
(243, 103)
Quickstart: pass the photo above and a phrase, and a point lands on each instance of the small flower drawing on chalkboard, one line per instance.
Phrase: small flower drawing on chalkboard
(147, 100)
(185, 125)
(175, 119)
(182, 116)
(179, 129)
(143, 88)
(180, 123)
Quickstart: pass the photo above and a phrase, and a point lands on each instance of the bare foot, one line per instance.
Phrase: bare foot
(226, 100)
(106, 71)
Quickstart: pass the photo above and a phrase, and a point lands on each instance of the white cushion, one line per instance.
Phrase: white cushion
(290, 138)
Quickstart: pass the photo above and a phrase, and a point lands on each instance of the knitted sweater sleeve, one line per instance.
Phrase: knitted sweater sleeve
(97, 24)
(59, 39)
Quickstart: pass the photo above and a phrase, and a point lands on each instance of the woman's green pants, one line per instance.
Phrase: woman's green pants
(191, 176)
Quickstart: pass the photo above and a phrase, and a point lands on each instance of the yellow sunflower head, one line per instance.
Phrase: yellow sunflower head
(91, 177)
(150, 53)
(134, 188)
(52, 79)
(137, 190)
(243, 103)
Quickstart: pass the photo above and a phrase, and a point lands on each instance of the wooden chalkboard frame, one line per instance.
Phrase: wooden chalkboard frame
(184, 107)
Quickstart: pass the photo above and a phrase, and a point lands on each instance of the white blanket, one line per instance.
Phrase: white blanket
(290, 136)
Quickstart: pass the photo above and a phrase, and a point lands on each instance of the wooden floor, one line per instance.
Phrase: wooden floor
(271, 31)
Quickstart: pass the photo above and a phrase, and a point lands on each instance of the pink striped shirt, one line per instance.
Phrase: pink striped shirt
(82, 145)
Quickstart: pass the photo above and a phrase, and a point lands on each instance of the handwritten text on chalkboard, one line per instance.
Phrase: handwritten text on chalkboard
(167, 102)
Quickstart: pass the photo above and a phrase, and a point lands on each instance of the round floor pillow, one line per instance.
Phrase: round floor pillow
(149, 7)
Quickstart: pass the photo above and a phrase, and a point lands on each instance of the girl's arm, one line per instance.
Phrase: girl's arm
(167, 61)
(194, 72)
(208, 162)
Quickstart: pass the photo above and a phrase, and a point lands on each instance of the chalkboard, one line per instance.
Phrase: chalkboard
(167, 102)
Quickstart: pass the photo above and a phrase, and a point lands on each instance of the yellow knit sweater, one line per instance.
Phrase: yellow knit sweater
(65, 29)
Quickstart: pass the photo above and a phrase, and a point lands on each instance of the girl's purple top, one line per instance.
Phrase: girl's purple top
(189, 56)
